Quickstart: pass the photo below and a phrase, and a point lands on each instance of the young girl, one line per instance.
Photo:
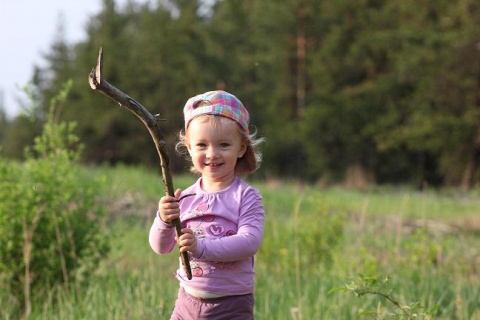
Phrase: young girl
(221, 215)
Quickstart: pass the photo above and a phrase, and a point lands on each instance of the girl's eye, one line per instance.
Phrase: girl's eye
(224, 145)
(201, 145)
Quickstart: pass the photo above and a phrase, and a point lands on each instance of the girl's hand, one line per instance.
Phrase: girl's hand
(187, 241)
(168, 207)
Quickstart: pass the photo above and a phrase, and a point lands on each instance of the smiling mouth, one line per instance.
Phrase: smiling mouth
(213, 164)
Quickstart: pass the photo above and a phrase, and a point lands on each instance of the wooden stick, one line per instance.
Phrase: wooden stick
(152, 123)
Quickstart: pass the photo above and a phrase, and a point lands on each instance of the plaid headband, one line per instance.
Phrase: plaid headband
(220, 103)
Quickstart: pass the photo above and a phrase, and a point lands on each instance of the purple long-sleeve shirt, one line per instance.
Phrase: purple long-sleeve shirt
(229, 228)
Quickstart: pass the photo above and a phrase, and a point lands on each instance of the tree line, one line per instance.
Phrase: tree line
(373, 91)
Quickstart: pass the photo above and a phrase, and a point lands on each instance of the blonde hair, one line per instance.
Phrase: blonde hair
(248, 163)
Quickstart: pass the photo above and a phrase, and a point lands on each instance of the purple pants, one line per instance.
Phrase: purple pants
(188, 307)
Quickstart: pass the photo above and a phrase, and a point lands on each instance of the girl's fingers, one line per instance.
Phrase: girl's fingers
(178, 192)
(187, 239)
(187, 231)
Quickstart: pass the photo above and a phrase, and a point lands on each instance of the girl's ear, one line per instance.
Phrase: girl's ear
(242, 150)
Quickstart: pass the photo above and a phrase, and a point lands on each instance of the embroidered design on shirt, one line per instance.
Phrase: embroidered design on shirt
(216, 229)
(202, 226)
(199, 232)
(200, 212)
(196, 270)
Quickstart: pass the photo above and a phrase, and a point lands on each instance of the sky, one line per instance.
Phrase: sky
(27, 30)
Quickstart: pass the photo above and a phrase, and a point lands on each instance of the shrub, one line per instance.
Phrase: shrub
(50, 225)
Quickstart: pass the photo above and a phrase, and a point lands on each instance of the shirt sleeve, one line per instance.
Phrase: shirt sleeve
(246, 242)
(162, 236)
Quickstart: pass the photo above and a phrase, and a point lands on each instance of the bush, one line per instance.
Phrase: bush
(50, 225)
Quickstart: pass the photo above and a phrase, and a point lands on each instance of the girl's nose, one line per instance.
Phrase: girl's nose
(211, 152)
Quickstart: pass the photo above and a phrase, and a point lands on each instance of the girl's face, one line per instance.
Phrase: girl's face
(214, 146)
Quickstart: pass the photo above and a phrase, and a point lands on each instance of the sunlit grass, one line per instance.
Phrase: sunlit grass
(297, 265)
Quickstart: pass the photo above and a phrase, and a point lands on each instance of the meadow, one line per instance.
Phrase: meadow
(328, 253)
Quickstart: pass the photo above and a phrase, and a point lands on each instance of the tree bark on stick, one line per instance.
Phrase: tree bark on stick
(152, 123)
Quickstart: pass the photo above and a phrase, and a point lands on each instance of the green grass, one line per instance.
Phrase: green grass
(315, 240)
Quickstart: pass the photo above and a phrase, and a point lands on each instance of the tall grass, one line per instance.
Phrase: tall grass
(315, 240)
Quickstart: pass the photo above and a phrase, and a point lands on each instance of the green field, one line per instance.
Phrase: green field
(316, 240)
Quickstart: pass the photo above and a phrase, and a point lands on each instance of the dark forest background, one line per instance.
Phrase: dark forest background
(357, 92)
